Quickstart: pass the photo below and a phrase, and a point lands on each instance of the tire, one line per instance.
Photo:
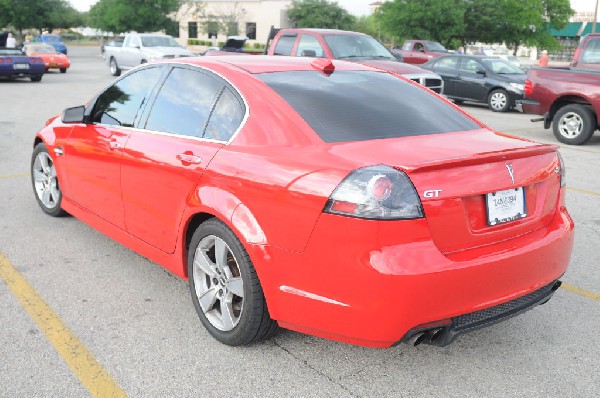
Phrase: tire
(233, 308)
(499, 101)
(37, 78)
(574, 124)
(114, 68)
(63, 70)
(45, 182)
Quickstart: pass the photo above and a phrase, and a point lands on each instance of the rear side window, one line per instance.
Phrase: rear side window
(359, 105)
(285, 44)
(226, 117)
(184, 103)
(447, 63)
(591, 54)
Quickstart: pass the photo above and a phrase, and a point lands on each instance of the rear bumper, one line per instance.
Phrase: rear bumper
(357, 282)
(445, 332)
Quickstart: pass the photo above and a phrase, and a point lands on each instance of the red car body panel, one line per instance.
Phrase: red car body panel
(52, 61)
(361, 281)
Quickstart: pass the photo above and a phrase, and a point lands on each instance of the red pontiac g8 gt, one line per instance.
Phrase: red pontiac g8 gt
(321, 196)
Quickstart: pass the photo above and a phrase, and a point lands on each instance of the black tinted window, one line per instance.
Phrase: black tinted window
(447, 63)
(356, 106)
(226, 117)
(284, 45)
(122, 103)
(184, 103)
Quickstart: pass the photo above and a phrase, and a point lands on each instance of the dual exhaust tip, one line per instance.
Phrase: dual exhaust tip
(437, 337)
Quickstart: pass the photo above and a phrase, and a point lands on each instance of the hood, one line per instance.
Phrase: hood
(395, 66)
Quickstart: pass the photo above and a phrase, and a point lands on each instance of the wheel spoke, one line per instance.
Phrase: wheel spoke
(221, 252)
(46, 197)
(38, 176)
(236, 286)
(208, 299)
(44, 163)
(202, 263)
(54, 193)
(227, 315)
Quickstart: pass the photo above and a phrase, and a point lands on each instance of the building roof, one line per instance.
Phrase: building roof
(573, 29)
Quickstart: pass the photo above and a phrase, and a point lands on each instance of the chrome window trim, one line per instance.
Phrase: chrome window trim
(201, 139)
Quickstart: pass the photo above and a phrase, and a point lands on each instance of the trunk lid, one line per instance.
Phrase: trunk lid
(454, 172)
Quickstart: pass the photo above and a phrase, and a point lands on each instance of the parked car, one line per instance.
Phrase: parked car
(111, 43)
(568, 98)
(15, 64)
(480, 79)
(54, 40)
(420, 51)
(348, 46)
(52, 58)
(138, 49)
(326, 197)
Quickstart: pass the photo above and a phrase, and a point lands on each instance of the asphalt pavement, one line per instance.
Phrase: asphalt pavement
(77, 308)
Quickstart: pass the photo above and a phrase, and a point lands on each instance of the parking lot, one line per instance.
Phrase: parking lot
(80, 314)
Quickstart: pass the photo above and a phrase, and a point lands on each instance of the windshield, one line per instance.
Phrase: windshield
(436, 47)
(361, 105)
(52, 39)
(5, 51)
(356, 46)
(41, 50)
(159, 41)
(501, 67)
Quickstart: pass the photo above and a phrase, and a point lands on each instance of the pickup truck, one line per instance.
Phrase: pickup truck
(139, 48)
(568, 98)
(348, 46)
(420, 51)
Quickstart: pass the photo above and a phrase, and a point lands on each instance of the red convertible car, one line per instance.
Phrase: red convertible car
(321, 196)
(52, 58)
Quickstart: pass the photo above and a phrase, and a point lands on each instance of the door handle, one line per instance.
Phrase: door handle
(188, 158)
(115, 145)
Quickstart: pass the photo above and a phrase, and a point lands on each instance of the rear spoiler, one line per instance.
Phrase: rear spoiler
(272, 33)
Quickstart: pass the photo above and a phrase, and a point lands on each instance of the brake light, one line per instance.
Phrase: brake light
(528, 87)
(377, 193)
(8, 60)
(1, 60)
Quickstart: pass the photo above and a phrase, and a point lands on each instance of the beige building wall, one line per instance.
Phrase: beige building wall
(263, 13)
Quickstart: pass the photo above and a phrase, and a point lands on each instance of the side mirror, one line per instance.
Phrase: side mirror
(73, 115)
(481, 72)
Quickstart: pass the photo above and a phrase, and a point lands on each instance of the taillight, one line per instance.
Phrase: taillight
(376, 192)
(563, 170)
(528, 87)
(8, 60)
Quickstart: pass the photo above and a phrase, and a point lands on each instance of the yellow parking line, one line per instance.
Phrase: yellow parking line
(81, 361)
(582, 292)
(583, 191)
(14, 176)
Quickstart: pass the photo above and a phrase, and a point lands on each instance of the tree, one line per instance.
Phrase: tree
(320, 14)
(131, 15)
(38, 14)
(489, 21)
(438, 20)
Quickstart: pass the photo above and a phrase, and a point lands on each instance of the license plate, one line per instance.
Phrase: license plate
(505, 206)
(21, 66)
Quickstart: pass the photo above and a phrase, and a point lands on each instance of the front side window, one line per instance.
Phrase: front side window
(184, 103)
(361, 105)
(123, 102)
(309, 46)
(134, 42)
(471, 65)
(226, 117)
(285, 44)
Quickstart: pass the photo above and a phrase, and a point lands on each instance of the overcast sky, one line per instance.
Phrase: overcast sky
(356, 7)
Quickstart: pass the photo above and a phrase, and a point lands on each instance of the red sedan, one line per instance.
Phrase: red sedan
(325, 197)
(52, 58)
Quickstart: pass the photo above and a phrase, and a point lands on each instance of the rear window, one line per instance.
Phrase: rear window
(359, 105)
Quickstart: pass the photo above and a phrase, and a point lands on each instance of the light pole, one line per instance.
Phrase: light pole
(595, 17)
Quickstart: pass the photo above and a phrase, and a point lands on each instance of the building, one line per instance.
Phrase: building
(214, 20)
